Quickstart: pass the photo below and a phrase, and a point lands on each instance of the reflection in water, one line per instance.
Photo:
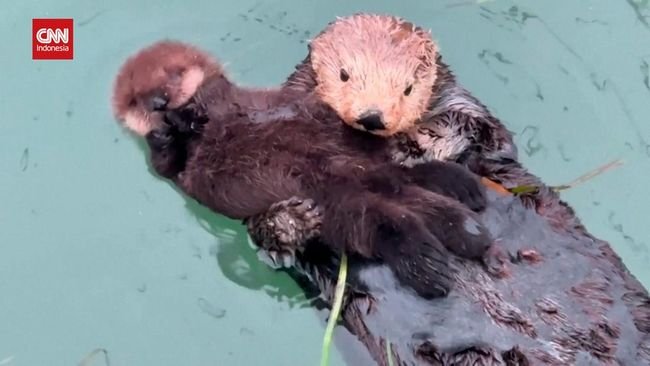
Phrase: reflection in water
(238, 260)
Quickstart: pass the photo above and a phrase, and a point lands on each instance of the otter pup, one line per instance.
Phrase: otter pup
(239, 162)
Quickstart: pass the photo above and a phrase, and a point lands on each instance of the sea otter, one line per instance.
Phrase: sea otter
(238, 162)
(565, 297)
(382, 63)
(385, 75)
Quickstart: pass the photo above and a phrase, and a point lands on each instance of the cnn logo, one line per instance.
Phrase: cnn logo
(49, 35)
(52, 39)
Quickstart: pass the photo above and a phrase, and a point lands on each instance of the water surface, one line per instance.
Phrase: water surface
(97, 252)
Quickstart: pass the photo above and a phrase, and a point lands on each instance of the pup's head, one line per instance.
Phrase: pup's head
(163, 75)
(377, 72)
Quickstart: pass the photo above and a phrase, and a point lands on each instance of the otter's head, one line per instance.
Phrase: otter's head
(377, 72)
(163, 75)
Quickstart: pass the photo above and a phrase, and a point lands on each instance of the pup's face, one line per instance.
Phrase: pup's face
(164, 75)
(377, 72)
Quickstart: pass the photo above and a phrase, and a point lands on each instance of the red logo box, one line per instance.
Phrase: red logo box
(52, 39)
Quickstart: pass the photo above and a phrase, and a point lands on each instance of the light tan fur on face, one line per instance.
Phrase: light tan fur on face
(382, 55)
(140, 122)
(170, 69)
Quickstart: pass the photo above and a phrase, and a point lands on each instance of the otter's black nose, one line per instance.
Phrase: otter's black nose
(158, 103)
(372, 120)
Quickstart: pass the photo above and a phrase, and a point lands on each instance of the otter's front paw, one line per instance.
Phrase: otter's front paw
(451, 180)
(160, 139)
(472, 195)
(183, 122)
(285, 228)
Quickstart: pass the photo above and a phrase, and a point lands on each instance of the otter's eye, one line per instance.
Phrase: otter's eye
(408, 90)
(344, 76)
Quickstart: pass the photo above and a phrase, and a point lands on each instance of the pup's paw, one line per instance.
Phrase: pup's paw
(285, 228)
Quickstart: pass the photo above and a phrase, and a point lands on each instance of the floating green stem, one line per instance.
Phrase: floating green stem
(389, 353)
(336, 310)
(590, 175)
(524, 189)
(88, 360)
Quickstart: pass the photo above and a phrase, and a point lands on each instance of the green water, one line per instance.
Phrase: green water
(96, 252)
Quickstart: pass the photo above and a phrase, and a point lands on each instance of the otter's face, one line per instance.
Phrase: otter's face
(376, 72)
(165, 75)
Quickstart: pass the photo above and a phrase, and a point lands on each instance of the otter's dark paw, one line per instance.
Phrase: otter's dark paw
(160, 139)
(285, 228)
(451, 180)
(470, 193)
(418, 259)
(426, 269)
(167, 152)
(459, 229)
(187, 119)
(178, 120)
(454, 225)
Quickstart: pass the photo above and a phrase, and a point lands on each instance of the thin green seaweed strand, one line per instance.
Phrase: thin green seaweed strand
(336, 310)
(389, 353)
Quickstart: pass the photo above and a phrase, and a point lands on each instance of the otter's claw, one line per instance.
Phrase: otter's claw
(185, 120)
(276, 259)
(285, 228)
(177, 120)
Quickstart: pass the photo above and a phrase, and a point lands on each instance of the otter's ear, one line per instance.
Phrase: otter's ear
(314, 52)
(310, 49)
(404, 30)
(428, 49)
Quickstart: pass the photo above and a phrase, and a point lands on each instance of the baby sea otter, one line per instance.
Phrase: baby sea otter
(238, 161)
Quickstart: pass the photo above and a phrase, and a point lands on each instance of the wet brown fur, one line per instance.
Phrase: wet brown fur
(238, 165)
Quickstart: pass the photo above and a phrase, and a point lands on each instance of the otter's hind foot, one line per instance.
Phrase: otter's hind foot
(285, 228)
(457, 227)
(418, 259)
(451, 180)
(424, 267)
